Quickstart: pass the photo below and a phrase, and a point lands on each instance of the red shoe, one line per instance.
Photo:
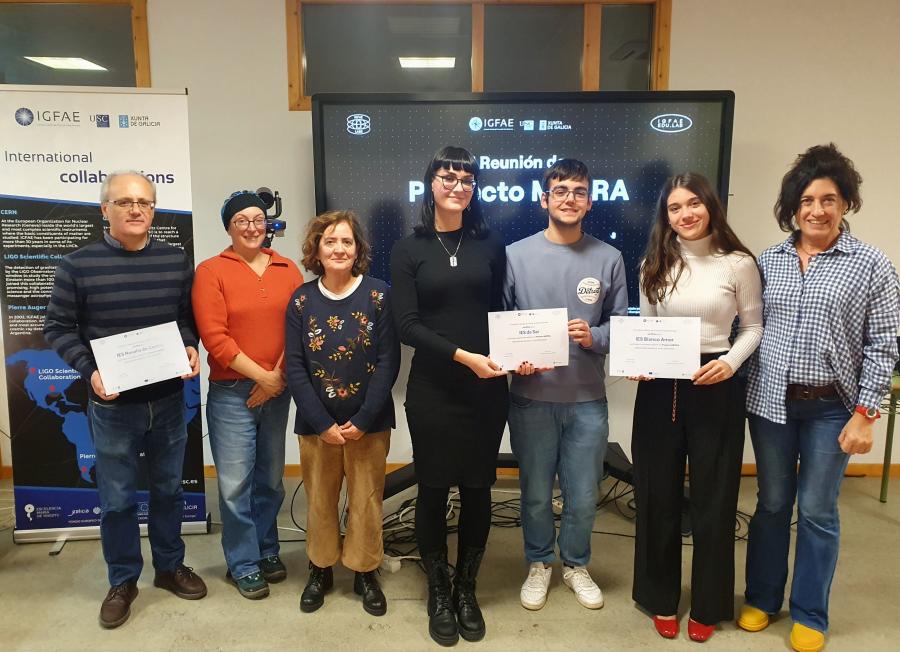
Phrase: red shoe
(700, 632)
(667, 627)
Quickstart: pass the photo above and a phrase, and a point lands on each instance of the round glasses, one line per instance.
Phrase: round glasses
(561, 193)
(450, 182)
(242, 223)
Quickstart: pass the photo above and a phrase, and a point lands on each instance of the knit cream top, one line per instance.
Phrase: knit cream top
(716, 287)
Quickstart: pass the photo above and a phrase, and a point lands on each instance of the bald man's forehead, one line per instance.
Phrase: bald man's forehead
(132, 184)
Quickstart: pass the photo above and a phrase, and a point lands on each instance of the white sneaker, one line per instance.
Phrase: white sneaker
(534, 591)
(586, 590)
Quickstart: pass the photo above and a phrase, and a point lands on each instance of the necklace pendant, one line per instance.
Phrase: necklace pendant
(452, 261)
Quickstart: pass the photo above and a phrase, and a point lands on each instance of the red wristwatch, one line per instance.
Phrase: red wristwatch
(869, 413)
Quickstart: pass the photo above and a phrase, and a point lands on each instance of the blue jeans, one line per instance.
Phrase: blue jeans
(248, 449)
(120, 432)
(566, 440)
(810, 435)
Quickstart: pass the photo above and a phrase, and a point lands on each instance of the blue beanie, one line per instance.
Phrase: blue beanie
(237, 202)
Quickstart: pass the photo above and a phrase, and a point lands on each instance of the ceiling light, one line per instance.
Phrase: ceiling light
(427, 62)
(66, 63)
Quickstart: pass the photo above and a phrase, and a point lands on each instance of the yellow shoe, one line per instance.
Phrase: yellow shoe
(806, 639)
(752, 619)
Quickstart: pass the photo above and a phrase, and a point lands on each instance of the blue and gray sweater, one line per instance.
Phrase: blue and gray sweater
(103, 289)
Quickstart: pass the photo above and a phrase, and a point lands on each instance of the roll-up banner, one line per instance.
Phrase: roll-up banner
(58, 144)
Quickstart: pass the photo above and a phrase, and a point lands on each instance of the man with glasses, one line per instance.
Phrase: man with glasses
(558, 417)
(127, 281)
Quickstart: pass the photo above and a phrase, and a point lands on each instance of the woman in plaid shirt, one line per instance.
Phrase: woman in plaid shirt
(831, 309)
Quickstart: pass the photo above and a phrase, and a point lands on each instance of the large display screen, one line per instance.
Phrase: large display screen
(371, 151)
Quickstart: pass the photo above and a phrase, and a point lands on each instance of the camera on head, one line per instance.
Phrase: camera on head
(275, 227)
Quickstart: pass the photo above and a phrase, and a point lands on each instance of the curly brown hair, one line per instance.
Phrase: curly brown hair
(316, 229)
(818, 162)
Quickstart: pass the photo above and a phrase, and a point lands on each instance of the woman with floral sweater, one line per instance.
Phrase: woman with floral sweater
(342, 357)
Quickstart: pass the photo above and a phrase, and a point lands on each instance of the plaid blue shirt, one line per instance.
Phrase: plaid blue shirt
(837, 323)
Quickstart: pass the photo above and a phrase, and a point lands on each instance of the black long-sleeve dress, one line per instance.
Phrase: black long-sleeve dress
(456, 419)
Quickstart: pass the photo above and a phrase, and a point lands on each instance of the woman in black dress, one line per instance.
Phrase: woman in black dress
(445, 278)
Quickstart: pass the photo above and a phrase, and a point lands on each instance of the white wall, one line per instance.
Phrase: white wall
(804, 72)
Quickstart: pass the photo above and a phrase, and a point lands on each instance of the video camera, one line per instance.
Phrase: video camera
(274, 226)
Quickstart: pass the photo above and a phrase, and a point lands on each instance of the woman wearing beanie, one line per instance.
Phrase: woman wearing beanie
(239, 299)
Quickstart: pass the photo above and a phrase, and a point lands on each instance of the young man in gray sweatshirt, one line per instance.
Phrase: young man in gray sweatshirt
(558, 418)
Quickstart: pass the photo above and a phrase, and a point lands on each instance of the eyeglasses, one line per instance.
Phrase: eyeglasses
(449, 182)
(243, 223)
(561, 193)
(126, 204)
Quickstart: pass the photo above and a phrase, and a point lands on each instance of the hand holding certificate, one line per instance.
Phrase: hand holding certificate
(656, 347)
(141, 357)
(540, 337)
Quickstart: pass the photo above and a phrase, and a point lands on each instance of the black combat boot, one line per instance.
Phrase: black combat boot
(319, 583)
(468, 615)
(441, 618)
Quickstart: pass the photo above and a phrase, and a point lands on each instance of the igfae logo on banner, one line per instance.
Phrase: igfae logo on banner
(50, 183)
(24, 116)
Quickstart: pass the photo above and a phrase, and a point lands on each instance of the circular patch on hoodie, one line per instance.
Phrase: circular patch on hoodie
(588, 290)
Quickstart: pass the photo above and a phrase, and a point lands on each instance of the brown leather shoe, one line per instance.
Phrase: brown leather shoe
(183, 582)
(116, 605)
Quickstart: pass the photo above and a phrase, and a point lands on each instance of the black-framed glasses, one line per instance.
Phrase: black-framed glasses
(125, 204)
(243, 223)
(561, 193)
(450, 182)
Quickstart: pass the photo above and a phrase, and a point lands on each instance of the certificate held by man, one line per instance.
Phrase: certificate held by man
(140, 357)
(540, 337)
(656, 347)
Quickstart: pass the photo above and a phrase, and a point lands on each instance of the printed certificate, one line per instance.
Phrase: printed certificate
(539, 336)
(659, 347)
(140, 357)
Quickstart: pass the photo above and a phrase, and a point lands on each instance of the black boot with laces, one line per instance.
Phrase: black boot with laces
(468, 614)
(441, 617)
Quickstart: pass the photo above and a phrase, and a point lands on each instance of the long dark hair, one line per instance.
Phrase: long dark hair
(818, 162)
(663, 262)
(452, 158)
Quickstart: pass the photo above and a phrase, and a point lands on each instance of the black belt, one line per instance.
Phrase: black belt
(810, 392)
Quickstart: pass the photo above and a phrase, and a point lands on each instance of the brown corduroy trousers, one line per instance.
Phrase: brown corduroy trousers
(324, 467)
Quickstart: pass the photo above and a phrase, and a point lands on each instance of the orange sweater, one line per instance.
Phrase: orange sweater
(237, 311)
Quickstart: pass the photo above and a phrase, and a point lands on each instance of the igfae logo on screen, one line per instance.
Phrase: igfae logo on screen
(671, 123)
(358, 124)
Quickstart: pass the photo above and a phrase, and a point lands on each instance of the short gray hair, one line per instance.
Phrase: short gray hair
(104, 187)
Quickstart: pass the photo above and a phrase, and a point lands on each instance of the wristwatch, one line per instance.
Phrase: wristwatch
(869, 413)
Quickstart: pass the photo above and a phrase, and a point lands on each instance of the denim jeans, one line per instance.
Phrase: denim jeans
(566, 440)
(120, 432)
(248, 449)
(810, 435)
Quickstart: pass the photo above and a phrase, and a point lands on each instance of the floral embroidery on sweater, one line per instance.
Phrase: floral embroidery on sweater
(344, 349)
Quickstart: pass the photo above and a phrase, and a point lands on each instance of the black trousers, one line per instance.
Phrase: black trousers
(708, 431)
